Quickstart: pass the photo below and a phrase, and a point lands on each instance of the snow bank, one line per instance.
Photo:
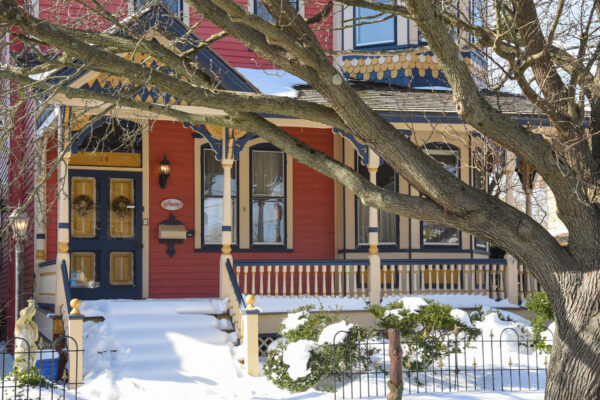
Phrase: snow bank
(296, 356)
(337, 332)
(328, 303)
(456, 300)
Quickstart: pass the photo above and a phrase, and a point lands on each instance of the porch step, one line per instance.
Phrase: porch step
(173, 340)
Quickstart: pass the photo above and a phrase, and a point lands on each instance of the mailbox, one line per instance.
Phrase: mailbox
(171, 231)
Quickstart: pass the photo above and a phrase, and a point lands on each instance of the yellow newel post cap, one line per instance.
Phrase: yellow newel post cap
(75, 304)
(250, 301)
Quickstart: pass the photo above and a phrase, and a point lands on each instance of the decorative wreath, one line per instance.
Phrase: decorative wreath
(83, 205)
(119, 206)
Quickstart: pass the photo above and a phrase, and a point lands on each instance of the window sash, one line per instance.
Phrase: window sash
(268, 197)
(379, 33)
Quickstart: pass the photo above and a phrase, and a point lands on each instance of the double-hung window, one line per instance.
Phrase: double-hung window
(386, 178)
(478, 176)
(212, 199)
(435, 234)
(268, 195)
(373, 28)
(261, 10)
(175, 6)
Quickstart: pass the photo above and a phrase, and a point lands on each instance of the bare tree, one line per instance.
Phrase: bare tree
(548, 50)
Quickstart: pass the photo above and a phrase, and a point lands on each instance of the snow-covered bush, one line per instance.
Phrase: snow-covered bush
(305, 356)
(481, 312)
(430, 330)
(539, 303)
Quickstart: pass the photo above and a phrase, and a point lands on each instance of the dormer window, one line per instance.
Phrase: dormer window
(372, 28)
(261, 10)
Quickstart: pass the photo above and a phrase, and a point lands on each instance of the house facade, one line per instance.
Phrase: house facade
(147, 207)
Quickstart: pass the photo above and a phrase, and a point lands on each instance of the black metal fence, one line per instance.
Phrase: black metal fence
(41, 374)
(510, 361)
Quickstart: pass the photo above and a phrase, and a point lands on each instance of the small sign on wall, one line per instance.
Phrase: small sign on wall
(171, 204)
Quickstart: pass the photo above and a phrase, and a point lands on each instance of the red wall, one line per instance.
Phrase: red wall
(196, 274)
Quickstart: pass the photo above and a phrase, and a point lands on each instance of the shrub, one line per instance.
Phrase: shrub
(480, 313)
(539, 303)
(429, 330)
(325, 359)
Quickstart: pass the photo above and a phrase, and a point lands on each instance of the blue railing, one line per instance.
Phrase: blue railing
(66, 286)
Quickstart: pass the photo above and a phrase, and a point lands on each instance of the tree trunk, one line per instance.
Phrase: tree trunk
(574, 369)
(395, 352)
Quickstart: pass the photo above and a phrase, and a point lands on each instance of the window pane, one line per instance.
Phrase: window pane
(213, 219)
(448, 159)
(439, 234)
(362, 213)
(268, 173)
(213, 175)
(261, 10)
(387, 228)
(172, 5)
(268, 221)
(377, 33)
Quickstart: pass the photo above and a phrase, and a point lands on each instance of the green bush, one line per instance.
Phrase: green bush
(31, 377)
(428, 334)
(325, 362)
(539, 304)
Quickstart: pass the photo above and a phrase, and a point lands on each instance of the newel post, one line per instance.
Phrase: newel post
(250, 328)
(511, 279)
(75, 345)
(395, 353)
(374, 282)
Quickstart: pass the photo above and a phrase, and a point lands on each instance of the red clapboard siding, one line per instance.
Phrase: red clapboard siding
(196, 274)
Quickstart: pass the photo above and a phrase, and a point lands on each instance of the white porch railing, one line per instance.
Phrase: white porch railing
(336, 278)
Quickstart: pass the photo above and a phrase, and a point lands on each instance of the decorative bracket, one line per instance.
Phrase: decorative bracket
(171, 232)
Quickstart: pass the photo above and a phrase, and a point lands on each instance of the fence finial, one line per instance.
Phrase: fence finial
(75, 304)
(250, 301)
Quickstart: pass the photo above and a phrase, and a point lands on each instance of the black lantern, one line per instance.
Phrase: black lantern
(165, 172)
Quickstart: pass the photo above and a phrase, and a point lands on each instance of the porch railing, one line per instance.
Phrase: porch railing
(235, 300)
(527, 283)
(282, 278)
(443, 276)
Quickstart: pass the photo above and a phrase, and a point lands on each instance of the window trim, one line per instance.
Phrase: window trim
(442, 148)
(382, 245)
(234, 238)
(387, 43)
(260, 245)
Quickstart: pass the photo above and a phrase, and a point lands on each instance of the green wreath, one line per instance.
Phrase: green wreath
(120, 206)
(83, 205)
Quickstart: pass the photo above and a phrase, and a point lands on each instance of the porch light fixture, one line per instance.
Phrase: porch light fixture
(19, 220)
(165, 172)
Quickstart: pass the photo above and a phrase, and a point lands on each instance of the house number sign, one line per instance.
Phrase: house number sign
(171, 204)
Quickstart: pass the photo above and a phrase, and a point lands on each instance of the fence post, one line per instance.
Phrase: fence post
(251, 337)
(511, 279)
(395, 352)
(75, 345)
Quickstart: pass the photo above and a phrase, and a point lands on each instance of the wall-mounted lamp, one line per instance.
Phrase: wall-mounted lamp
(165, 172)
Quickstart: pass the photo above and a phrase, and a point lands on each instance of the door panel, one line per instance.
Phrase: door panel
(106, 258)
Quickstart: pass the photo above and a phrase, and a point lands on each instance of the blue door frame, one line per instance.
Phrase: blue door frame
(102, 244)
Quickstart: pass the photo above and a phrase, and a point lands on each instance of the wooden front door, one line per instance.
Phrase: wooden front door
(105, 234)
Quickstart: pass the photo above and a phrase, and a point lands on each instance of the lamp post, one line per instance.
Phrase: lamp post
(19, 221)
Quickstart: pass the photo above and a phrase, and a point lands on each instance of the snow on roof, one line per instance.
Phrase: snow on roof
(272, 81)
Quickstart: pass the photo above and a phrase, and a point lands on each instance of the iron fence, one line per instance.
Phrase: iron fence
(512, 361)
(41, 374)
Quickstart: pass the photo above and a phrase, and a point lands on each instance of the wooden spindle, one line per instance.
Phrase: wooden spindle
(308, 281)
(430, 274)
(269, 269)
(385, 275)
(292, 280)
(284, 270)
(501, 279)
(300, 292)
(421, 287)
(451, 268)
(400, 280)
(355, 279)
(253, 280)
(261, 277)
(277, 281)
(494, 287)
(487, 279)
(324, 270)
(363, 274)
(480, 278)
(445, 287)
(437, 279)
(459, 284)
(521, 283)
(340, 272)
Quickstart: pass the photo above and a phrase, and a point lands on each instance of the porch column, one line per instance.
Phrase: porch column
(62, 242)
(374, 260)
(39, 215)
(511, 279)
(226, 229)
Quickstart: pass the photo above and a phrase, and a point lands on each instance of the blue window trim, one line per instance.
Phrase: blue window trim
(214, 246)
(269, 246)
(389, 44)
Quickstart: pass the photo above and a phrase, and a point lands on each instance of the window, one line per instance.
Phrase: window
(386, 178)
(367, 33)
(212, 199)
(261, 10)
(268, 195)
(479, 172)
(175, 6)
(434, 234)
